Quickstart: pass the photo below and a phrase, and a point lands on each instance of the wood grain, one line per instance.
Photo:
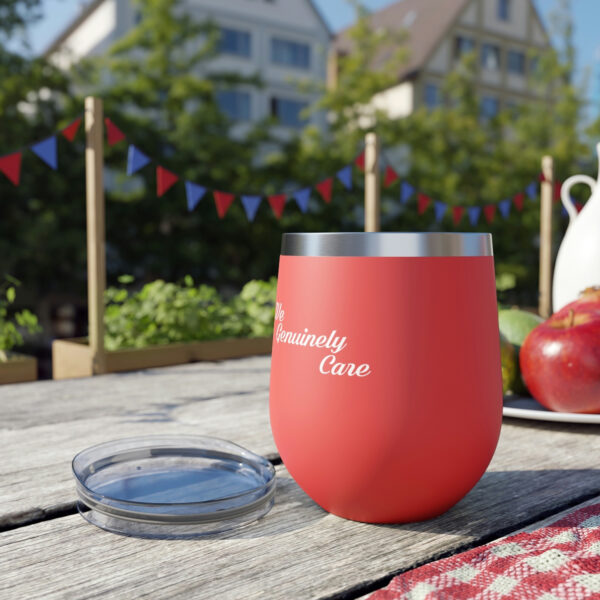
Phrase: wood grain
(297, 551)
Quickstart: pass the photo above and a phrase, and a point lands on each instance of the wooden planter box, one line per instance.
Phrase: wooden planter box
(18, 368)
(73, 357)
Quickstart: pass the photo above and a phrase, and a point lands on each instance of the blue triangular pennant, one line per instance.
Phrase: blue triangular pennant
(406, 191)
(440, 210)
(251, 204)
(563, 211)
(136, 159)
(474, 212)
(193, 193)
(46, 150)
(302, 197)
(345, 176)
(531, 190)
(504, 207)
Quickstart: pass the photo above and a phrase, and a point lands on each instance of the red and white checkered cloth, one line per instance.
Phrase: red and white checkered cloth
(557, 562)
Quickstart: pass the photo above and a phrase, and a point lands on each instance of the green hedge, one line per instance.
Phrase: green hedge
(166, 313)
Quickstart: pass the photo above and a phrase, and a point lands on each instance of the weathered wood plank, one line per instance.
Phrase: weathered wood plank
(123, 394)
(297, 551)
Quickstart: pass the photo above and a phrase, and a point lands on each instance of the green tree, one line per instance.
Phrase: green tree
(42, 221)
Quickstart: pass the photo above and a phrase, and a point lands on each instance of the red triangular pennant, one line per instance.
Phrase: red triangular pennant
(223, 202)
(578, 206)
(541, 177)
(422, 203)
(70, 131)
(324, 188)
(557, 188)
(518, 201)
(457, 213)
(277, 203)
(489, 211)
(164, 180)
(113, 133)
(359, 161)
(10, 165)
(390, 176)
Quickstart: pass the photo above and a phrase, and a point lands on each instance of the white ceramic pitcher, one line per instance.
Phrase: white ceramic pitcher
(578, 261)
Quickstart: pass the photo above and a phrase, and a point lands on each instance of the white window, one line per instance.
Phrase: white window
(515, 62)
(290, 54)
(234, 41)
(463, 45)
(432, 95)
(235, 104)
(288, 112)
(489, 107)
(490, 57)
(504, 10)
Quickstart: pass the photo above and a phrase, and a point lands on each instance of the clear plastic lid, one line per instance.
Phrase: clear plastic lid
(172, 486)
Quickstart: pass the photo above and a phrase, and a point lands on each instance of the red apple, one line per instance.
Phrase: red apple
(560, 359)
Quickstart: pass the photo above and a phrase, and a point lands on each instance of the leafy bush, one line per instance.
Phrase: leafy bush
(11, 328)
(166, 313)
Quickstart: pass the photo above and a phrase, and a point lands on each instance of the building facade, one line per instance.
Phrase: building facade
(282, 41)
(504, 35)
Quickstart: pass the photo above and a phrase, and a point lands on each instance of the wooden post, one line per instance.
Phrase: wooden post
(372, 182)
(96, 250)
(546, 199)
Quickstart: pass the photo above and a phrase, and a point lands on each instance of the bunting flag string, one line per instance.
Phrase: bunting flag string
(165, 179)
(440, 208)
(46, 150)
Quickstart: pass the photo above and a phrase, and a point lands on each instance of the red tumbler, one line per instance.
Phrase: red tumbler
(386, 386)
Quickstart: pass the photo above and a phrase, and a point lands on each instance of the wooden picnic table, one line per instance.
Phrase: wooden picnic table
(297, 551)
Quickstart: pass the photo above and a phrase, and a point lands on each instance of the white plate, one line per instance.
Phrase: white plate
(528, 408)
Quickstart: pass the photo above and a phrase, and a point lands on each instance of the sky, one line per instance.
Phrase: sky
(339, 14)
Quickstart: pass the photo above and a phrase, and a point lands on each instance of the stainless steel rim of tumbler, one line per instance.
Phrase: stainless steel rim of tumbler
(387, 244)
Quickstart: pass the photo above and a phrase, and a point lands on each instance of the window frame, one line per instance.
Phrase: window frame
(431, 86)
(498, 51)
(236, 95)
(482, 113)
(503, 10)
(246, 35)
(275, 101)
(293, 46)
(519, 56)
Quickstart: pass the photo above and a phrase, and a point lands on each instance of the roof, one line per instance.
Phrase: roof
(84, 13)
(92, 5)
(425, 21)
